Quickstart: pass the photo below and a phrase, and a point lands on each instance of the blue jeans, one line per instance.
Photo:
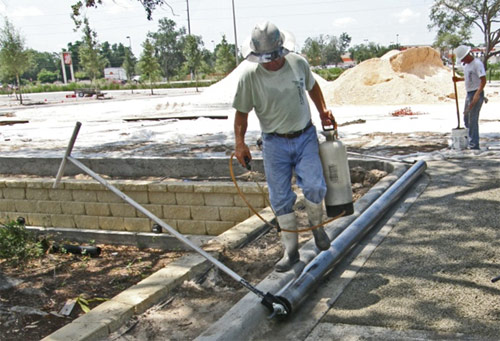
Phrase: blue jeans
(283, 156)
(471, 119)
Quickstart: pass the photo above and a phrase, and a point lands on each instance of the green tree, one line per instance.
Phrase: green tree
(148, 64)
(224, 57)
(115, 53)
(91, 60)
(149, 7)
(14, 58)
(168, 43)
(331, 53)
(325, 50)
(193, 55)
(313, 51)
(129, 63)
(45, 76)
(48, 61)
(344, 42)
(370, 50)
(455, 18)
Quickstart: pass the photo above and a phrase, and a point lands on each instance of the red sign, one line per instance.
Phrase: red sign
(67, 58)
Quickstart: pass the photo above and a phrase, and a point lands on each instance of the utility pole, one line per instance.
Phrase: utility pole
(235, 37)
(189, 22)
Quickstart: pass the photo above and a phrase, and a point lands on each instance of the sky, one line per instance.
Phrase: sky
(47, 26)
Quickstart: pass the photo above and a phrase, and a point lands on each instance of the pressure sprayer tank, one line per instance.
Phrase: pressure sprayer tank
(333, 155)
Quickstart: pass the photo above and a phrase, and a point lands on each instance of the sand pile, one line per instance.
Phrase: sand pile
(413, 76)
(223, 91)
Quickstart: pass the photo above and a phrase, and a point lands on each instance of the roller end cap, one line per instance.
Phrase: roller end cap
(278, 307)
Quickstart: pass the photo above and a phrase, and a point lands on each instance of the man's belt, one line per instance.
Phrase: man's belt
(294, 134)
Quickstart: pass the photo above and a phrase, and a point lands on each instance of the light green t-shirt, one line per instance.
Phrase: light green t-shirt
(278, 97)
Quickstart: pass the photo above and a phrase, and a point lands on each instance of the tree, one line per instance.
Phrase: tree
(149, 7)
(14, 58)
(455, 19)
(313, 50)
(325, 50)
(129, 63)
(364, 52)
(168, 43)
(91, 60)
(48, 61)
(148, 64)
(115, 53)
(193, 55)
(45, 76)
(224, 57)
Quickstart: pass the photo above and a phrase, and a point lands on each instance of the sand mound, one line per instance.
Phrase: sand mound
(413, 76)
(223, 91)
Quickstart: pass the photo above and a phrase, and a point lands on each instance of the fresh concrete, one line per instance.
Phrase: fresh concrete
(165, 167)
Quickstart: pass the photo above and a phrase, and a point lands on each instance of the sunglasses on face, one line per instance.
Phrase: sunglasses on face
(267, 57)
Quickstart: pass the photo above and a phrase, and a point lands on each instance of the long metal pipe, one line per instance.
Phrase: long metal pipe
(296, 291)
(270, 301)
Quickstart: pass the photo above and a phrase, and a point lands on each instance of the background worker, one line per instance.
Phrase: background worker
(475, 81)
(275, 87)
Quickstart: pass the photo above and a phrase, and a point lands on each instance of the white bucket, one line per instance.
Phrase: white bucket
(459, 138)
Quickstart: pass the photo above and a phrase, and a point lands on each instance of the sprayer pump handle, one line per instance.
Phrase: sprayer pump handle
(333, 125)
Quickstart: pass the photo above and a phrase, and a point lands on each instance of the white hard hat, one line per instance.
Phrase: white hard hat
(266, 43)
(461, 52)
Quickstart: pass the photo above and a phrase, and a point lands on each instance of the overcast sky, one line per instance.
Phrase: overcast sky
(46, 25)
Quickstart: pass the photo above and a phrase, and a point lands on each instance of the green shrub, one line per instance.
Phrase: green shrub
(45, 76)
(330, 74)
(17, 245)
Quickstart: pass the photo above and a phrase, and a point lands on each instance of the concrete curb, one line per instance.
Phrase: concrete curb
(249, 314)
(110, 315)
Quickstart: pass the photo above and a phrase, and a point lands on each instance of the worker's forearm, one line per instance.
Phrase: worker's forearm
(482, 85)
(317, 97)
(240, 127)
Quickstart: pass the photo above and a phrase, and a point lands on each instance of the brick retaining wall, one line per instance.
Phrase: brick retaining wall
(201, 208)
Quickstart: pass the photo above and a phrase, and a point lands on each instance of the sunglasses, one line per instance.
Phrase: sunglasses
(267, 57)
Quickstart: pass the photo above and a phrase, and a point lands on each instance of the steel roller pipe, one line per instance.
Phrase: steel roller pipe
(294, 293)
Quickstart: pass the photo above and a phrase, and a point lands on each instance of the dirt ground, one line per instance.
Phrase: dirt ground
(32, 309)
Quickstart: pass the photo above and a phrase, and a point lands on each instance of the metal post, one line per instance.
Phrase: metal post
(71, 143)
(235, 37)
(63, 66)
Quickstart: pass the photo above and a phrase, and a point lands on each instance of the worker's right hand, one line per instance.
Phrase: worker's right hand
(456, 79)
(243, 154)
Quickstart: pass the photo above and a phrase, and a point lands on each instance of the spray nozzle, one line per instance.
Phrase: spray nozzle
(247, 163)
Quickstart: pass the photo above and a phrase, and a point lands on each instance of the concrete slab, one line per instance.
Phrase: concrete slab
(434, 270)
(328, 331)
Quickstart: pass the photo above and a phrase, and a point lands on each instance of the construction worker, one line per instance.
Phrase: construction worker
(475, 81)
(275, 87)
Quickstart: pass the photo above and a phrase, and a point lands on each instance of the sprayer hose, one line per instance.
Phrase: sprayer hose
(262, 218)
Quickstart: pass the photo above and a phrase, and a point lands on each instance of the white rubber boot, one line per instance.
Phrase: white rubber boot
(315, 216)
(291, 242)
